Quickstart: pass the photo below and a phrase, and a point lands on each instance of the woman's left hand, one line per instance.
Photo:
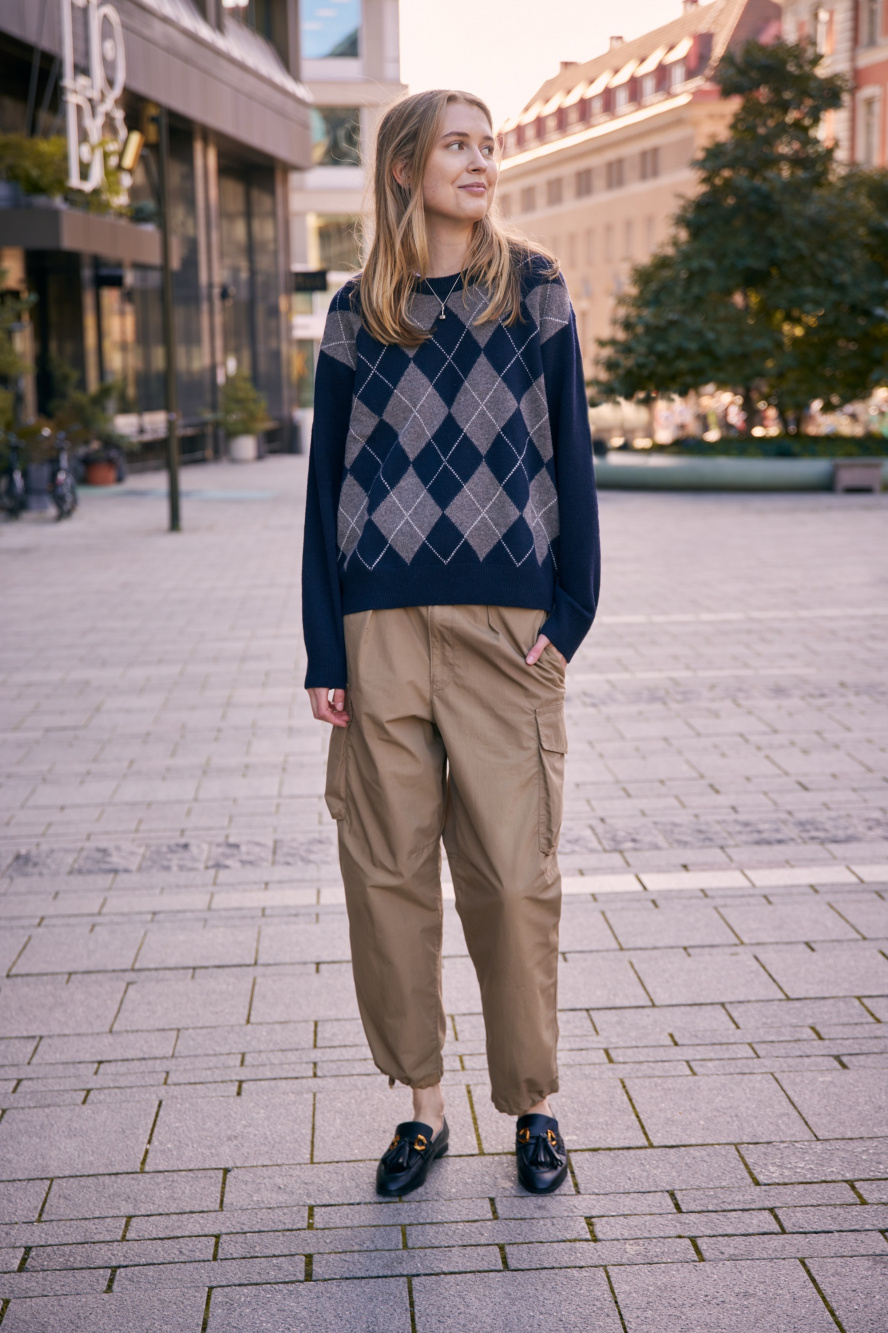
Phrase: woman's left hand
(536, 651)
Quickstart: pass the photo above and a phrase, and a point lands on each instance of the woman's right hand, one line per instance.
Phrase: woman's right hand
(329, 710)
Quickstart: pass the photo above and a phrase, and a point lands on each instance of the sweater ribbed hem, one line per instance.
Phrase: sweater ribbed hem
(472, 585)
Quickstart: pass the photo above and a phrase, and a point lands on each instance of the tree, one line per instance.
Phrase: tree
(773, 283)
(12, 307)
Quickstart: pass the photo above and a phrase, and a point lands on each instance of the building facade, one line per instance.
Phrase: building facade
(853, 36)
(351, 67)
(228, 77)
(597, 162)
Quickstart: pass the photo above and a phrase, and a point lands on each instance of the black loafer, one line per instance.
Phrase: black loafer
(404, 1165)
(542, 1156)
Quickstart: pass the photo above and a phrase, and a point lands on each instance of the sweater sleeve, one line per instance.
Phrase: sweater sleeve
(321, 597)
(578, 575)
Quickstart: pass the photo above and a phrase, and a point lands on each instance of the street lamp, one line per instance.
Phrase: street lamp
(132, 150)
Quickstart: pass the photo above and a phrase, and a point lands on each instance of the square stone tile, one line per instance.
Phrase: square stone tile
(768, 923)
(198, 946)
(661, 927)
(841, 1104)
(720, 1108)
(705, 977)
(658, 1169)
(209, 1000)
(379, 1306)
(174, 1311)
(74, 1140)
(857, 1289)
(576, 1302)
(830, 970)
(256, 1130)
(769, 1297)
(42, 1006)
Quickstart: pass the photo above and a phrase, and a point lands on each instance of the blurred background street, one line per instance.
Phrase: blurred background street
(181, 1053)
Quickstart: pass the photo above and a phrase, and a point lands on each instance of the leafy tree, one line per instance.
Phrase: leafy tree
(774, 281)
(12, 307)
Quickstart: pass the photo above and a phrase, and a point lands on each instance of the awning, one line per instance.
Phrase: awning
(598, 85)
(648, 66)
(75, 230)
(575, 93)
(624, 75)
(680, 51)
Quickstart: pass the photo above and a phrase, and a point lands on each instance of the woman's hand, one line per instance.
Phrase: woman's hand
(536, 651)
(329, 710)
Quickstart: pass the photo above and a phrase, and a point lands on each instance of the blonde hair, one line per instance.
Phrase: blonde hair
(408, 131)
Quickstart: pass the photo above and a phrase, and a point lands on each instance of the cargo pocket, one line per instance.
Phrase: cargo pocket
(553, 748)
(334, 793)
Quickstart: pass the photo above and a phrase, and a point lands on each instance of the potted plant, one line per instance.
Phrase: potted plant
(86, 418)
(242, 413)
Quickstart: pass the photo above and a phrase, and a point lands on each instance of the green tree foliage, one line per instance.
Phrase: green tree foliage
(774, 281)
(12, 307)
(242, 408)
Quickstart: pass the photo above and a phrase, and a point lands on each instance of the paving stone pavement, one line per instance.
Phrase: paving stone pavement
(190, 1120)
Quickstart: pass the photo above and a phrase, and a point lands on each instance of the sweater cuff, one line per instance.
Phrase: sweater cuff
(330, 673)
(568, 624)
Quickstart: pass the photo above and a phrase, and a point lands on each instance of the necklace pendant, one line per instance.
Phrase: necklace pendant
(443, 313)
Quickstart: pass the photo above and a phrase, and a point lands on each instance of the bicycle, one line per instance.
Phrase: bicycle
(63, 488)
(12, 484)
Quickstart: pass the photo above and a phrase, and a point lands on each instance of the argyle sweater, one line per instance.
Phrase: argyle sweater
(458, 472)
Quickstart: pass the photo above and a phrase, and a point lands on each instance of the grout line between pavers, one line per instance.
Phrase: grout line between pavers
(822, 1294)
(614, 1298)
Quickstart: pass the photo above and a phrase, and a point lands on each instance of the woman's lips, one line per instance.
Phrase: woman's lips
(475, 189)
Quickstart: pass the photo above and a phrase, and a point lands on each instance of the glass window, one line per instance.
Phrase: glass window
(335, 136)
(330, 28)
(615, 173)
(333, 241)
(621, 97)
(648, 85)
(528, 199)
(677, 74)
(584, 182)
(553, 191)
(870, 132)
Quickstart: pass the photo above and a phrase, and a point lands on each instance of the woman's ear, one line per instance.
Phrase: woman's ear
(401, 173)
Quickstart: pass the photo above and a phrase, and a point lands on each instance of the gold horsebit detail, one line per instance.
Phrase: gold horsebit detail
(420, 1143)
(524, 1137)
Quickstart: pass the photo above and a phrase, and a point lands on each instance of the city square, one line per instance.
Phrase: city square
(191, 1120)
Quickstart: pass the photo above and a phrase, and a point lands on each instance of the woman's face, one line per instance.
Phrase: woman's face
(460, 175)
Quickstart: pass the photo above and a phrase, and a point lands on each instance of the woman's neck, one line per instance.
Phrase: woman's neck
(448, 244)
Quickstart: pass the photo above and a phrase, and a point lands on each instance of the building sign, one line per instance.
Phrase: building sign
(93, 78)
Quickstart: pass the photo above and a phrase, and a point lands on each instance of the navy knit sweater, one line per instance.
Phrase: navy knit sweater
(459, 472)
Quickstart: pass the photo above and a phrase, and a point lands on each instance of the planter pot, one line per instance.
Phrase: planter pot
(37, 481)
(646, 472)
(243, 448)
(101, 474)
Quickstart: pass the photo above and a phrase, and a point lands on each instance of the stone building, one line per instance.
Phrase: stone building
(227, 72)
(598, 160)
(853, 36)
(351, 67)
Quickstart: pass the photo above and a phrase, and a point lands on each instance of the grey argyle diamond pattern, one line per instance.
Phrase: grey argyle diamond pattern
(407, 515)
(415, 410)
(482, 511)
(466, 409)
(484, 404)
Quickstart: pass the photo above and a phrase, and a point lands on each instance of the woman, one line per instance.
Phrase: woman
(450, 570)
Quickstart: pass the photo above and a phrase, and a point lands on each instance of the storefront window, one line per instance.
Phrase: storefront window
(336, 136)
(302, 371)
(330, 28)
(333, 241)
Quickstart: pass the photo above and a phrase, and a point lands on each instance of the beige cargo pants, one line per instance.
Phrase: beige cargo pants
(453, 735)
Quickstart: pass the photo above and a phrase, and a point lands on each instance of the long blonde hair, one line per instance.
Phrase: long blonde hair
(408, 131)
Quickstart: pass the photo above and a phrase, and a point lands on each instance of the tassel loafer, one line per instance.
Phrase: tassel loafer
(541, 1154)
(405, 1163)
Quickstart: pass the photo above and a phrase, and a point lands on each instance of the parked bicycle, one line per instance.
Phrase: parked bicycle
(63, 488)
(12, 484)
